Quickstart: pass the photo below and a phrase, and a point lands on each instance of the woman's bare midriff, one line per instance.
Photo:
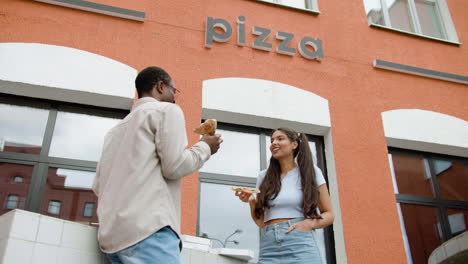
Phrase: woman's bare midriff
(275, 221)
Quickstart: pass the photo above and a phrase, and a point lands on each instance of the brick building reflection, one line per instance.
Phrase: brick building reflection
(75, 203)
(421, 222)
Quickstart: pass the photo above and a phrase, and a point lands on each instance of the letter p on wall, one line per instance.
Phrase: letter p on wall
(211, 34)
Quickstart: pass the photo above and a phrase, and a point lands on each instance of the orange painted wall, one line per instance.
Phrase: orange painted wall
(172, 37)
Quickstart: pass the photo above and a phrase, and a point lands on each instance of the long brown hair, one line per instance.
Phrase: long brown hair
(271, 184)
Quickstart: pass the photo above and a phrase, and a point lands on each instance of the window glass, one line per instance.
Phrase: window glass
(452, 178)
(18, 179)
(12, 202)
(374, 12)
(73, 189)
(293, 3)
(221, 217)
(54, 207)
(22, 128)
(80, 136)
(239, 155)
(405, 14)
(429, 18)
(410, 175)
(400, 16)
(458, 221)
(13, 195)
(88, 210)
(422, 230)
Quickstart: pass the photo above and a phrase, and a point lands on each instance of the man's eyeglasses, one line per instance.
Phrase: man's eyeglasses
(174, 90)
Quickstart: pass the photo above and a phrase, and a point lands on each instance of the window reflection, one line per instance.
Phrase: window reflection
(458, 221)
(13, 194)
(69, 191)
(374, 12)
(22, 128)
(422, 233)
(12, 202)
(80, 136)
(88, 210)
(398, 14)
(453, 179)
(429, 18)
(410, 175)
(239, 156)
(213, 212)
(54, 207)
(293, 3)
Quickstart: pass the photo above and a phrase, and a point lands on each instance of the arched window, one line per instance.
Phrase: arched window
(18, 179)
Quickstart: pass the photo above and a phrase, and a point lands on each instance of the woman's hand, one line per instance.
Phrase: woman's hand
(304, 226)
(245, 195)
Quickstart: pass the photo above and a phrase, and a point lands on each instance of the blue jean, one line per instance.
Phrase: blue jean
(295, 247)
(161, 247)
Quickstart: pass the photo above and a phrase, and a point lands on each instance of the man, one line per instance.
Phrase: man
(138, 177)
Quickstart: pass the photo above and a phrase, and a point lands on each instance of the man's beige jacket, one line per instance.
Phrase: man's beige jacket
(139, 174)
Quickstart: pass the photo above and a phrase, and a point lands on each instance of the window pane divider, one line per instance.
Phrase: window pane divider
(21, 158)
(414, 199)
(226, 179)
(71, 163)
(386, 15)
(36, 188)
(49, 132)
(414, 17)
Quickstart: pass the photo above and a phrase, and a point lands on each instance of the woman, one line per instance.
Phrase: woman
(286, 207)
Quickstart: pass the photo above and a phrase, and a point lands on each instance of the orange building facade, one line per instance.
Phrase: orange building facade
(384, 100)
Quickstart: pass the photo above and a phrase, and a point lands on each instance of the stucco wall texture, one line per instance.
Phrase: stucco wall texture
(172, 37)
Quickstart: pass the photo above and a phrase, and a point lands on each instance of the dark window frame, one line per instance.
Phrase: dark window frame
(440, 204)
(42, 162)
(217, 178)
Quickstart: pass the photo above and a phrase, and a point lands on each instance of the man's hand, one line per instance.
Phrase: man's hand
(213, 142)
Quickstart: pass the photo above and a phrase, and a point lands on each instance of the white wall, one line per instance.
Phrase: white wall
(428, 131)
(31, 238)
(65, 74)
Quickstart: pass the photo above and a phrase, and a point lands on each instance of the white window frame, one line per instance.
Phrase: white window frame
(445, 17)
(310, 5)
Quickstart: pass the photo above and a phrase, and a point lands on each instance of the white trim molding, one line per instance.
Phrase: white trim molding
(427, 131)
(268, 104)
(65, 74)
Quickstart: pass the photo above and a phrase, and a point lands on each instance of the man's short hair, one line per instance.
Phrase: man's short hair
(148, 77)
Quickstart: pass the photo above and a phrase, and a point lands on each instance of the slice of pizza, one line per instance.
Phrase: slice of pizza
(207, 128)
(238, 189)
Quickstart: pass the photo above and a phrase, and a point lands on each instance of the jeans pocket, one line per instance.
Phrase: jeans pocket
(302, 231)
